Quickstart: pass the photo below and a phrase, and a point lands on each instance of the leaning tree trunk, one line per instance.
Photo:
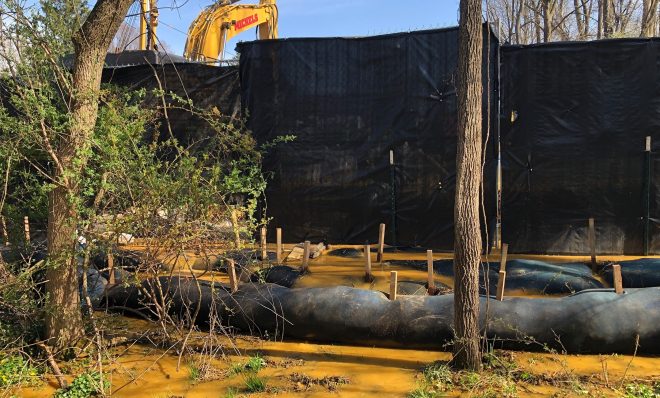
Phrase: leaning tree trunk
(467, 234)
(63, 316)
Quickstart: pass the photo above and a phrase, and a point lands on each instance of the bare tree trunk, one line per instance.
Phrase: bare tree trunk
(623, 15)
(518, 14)
(467, 234)
(548, 11)
(607, 13)
(63, 317)
(537, 20)
(649, 20)
(582, 10)
(578, 19)
(586, 14)
(601, 5)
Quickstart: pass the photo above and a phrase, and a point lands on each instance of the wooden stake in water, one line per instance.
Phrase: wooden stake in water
(264, 252)
(305, 259)
(618, 280)
(4, 231)
(381, 243)
(505, 251)
(429, 269)
(26, 225)
(111, 267)
(278, 233)
(592, 243)
(367, 265)
(231, 270)
(500, 285)
(393, 282)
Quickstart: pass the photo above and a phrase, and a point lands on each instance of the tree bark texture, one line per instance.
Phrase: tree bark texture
(548, 7)
(649, 21)
(63, 318)
(607, 12)
(467, 233)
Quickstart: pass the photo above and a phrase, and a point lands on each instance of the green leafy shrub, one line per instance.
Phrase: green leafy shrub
(84, 386)
(438, 376)
(421, 392)
(231, 393)
(437, 379)
(254, 383)
(635, 390)
(253, 364)
(469, 380)
(194, 373)
(14, 370)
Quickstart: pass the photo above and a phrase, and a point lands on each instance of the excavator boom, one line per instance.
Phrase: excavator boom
(218, 23)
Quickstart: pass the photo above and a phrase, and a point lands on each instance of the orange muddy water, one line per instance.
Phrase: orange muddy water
(143, 371)
(329, 270)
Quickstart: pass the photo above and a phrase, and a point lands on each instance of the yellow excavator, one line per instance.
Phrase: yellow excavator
(218, 23)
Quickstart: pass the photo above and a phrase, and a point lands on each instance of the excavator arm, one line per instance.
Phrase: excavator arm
(218, 23)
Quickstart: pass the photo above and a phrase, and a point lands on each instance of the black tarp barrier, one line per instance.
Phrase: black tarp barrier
(349, 101)
(576, 149)
(207, 86)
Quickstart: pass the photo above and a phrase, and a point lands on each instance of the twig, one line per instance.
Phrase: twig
(630, 363)
(53, 364)
(603, 364)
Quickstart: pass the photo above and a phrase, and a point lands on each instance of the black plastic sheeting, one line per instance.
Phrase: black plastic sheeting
(349, 101)
(141, 57)
(576, 149)
(207, 86)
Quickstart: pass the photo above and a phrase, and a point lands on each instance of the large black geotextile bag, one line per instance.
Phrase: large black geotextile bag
(349, 101)
(576, 149)
(528, 276)
(592, 321)
(644, 272)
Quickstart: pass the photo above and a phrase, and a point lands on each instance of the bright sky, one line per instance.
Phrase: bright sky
(315, 18)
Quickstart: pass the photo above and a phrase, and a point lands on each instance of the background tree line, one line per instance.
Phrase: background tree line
(542, 21)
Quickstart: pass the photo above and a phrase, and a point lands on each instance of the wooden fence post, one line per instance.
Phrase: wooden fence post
(393, 282)
(500, 285)
(26, 226)
(648, 165)
(305, 259)
(505, 252)
(393, 198)
(592, 243)
(429, 270)
(367, 264)
(264, 251)
(617, 279)
(278, 233)
(231, 270)
(111, 267)
(381, 243)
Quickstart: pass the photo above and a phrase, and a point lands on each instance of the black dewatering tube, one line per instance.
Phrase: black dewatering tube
(593, 321)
